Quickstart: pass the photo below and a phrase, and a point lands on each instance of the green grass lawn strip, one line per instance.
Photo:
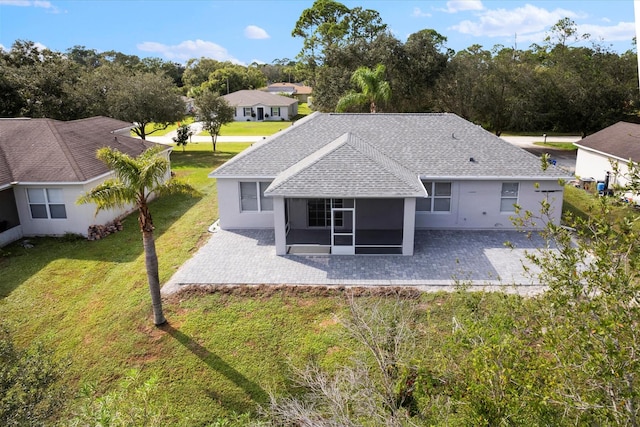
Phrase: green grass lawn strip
(565, 146)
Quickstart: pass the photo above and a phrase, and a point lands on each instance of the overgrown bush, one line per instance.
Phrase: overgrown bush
(29, 392)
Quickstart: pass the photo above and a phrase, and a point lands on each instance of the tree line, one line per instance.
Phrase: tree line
(560, 85)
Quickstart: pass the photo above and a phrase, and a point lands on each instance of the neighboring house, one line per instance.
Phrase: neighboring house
(45, 165)
(256, 105)
(301, 92)
(363, 183)
(617, 143)
(189, 104)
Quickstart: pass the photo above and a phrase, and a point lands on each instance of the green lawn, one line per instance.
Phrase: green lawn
(566, 146)
(251, 128)
(161, 132)
(580, 203)
(265, 128)
(221, 353)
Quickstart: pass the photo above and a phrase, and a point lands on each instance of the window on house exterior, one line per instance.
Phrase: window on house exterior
(252, 197)
(46, 203)
(275, 111)
(247, 111)
(319, 212)
(509, 196)
(439, 199)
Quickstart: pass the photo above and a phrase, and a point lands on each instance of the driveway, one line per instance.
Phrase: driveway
(442, 260)
(564, 159)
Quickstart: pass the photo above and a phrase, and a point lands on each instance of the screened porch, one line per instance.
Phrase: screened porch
(344, 226)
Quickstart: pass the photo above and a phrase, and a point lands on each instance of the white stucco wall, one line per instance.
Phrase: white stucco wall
(79, 217)
(11, 235)
(594, 165)
(231, 214)
(476, 205)
(286, 113)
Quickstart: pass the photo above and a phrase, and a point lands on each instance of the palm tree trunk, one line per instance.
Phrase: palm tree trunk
(151, 261)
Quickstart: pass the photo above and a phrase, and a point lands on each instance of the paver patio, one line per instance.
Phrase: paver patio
(442, 259)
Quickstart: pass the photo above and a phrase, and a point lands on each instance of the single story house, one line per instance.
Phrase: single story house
(256, 105)
(299, 91)
(45, 165)
(617, 144)
(363, 183)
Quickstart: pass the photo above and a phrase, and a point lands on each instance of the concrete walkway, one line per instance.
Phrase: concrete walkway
(442, 260)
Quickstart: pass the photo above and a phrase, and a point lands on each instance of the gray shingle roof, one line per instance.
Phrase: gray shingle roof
(376, 176)
(620, 140)
(249, 98)
(428, 145)
(46, 150)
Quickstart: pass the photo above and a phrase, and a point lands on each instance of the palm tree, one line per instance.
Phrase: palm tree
(136, 181)
(373, 89)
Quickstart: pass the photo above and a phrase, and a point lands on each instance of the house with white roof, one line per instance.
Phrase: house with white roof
(256, 105)
(46, 164)
(363, 183)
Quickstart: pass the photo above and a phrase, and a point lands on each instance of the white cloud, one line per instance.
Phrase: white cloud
(189, 49)
(623, 31)
(524, 21)
(253, 32)
(417, 12)
(454, 6)
(27, 3)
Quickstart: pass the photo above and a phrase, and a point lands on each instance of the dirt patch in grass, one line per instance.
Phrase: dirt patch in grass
(267, 291)
(328, 322)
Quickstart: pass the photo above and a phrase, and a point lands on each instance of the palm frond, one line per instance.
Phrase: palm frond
(352, 99)
(175, 186)
(125, 167)
(110, 194)
(136, 178)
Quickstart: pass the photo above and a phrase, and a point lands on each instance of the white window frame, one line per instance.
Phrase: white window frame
(263, 204)
(275, 111)
(433, 196)
(507, 196)
(244, 111)
(47, 202)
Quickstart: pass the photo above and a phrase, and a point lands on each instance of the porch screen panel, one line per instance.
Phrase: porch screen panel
(316, 211)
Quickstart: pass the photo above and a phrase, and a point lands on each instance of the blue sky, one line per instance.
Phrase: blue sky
(244, 31)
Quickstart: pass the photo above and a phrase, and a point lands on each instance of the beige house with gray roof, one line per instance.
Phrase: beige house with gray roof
(299, 91)
(363, 183)
(256, 105)
(45, 165)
